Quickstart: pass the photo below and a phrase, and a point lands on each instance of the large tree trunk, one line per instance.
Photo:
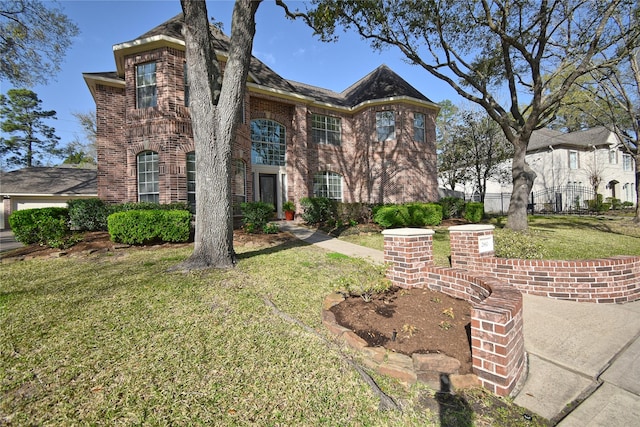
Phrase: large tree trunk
(523, 177)
(214, 108)
(636, 218)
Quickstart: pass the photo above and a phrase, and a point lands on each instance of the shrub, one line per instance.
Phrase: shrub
(615, 203)
(317, 210)
(473, 212)
(392, 216)
(144, 206)
(256, 215)
(88, 214)
(136, 227)
(424, 214)
(518, 244)
(597, 205)
(452, 207)
(408, 215)
(46, 226)
(353, 213)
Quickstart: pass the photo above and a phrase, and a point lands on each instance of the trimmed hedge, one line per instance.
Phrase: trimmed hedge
(88, 214)
(137, 227)
(45, 226)
(317, 210)
(408, 215)
(452, 207)
(473, 212)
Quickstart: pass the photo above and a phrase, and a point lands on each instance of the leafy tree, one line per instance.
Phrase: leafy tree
(82, 150)
(23, 117)
(486, 149)
(484, 48)
(34, 35)
(215, 104)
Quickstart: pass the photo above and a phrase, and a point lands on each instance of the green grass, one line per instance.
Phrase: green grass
(562, 237)
(116, 340)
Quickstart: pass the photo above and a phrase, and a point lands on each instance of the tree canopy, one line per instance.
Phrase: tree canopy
(503, 55)
(34, 36)
(22, 117)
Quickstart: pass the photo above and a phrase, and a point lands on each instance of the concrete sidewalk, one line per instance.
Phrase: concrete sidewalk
(8, 241)
(584, 358)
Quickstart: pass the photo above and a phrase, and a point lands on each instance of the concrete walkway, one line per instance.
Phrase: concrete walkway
(8, 241)
(584, 359)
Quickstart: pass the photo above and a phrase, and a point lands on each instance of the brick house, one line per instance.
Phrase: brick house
(373, 142)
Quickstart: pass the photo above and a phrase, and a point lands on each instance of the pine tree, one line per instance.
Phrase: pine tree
(22, 117)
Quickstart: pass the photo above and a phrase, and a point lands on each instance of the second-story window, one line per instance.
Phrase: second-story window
(385, 125)
(613, 157)
(627, 162)
(418, 127)
(146, 89)
(325, 129)
(573, 160)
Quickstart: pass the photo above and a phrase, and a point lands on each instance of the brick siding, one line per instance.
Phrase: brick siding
(393, 171)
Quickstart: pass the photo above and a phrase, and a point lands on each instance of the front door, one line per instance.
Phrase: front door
(268, 188)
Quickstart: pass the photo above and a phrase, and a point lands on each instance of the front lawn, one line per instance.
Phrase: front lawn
(561, 237)
(113, 339)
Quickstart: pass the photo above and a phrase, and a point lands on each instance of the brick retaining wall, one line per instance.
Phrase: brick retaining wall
(608, 280)
(497, 343)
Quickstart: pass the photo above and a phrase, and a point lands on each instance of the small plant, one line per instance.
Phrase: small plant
(409, 329)
(448, 312)
(365, 283)
(445, 325)
(436, 300)
(271, 228)
(288, 206)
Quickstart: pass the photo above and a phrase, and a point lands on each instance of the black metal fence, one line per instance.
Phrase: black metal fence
(572, 199)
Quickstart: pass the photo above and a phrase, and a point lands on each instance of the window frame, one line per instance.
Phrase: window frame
(321, 132)
(187, 87)
(574, 153)
(419, 129)
(191, 178)
(143, 173)
(144, 99)
(238, 197)
(627, 162)
(325, 185)
(385, 125)
(266, 151)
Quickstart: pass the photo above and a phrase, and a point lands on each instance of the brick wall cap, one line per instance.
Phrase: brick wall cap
(405, 232)
(472, 227)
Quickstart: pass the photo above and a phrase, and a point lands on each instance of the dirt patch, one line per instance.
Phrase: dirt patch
(422, 320)
(97, 242)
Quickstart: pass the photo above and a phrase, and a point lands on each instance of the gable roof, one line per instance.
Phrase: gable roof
(594, 137)
(47, 181)
(381, 84)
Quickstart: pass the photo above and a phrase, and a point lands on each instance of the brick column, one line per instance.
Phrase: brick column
(470, 243)
(408, 251)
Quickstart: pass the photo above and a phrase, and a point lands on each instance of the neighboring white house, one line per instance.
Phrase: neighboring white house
(565, 165)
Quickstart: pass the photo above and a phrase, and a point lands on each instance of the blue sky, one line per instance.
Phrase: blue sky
(286, 46)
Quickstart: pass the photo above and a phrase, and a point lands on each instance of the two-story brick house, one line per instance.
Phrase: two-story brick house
(373, 142)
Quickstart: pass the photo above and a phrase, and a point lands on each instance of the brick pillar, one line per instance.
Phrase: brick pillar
(470, 243)
(408, 251)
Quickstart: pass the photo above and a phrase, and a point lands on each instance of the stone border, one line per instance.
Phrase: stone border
(425, 368)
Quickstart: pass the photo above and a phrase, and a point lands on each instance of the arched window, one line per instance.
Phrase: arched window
(268, 144)
(191, 179)
(327, 184)
(148, 177)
